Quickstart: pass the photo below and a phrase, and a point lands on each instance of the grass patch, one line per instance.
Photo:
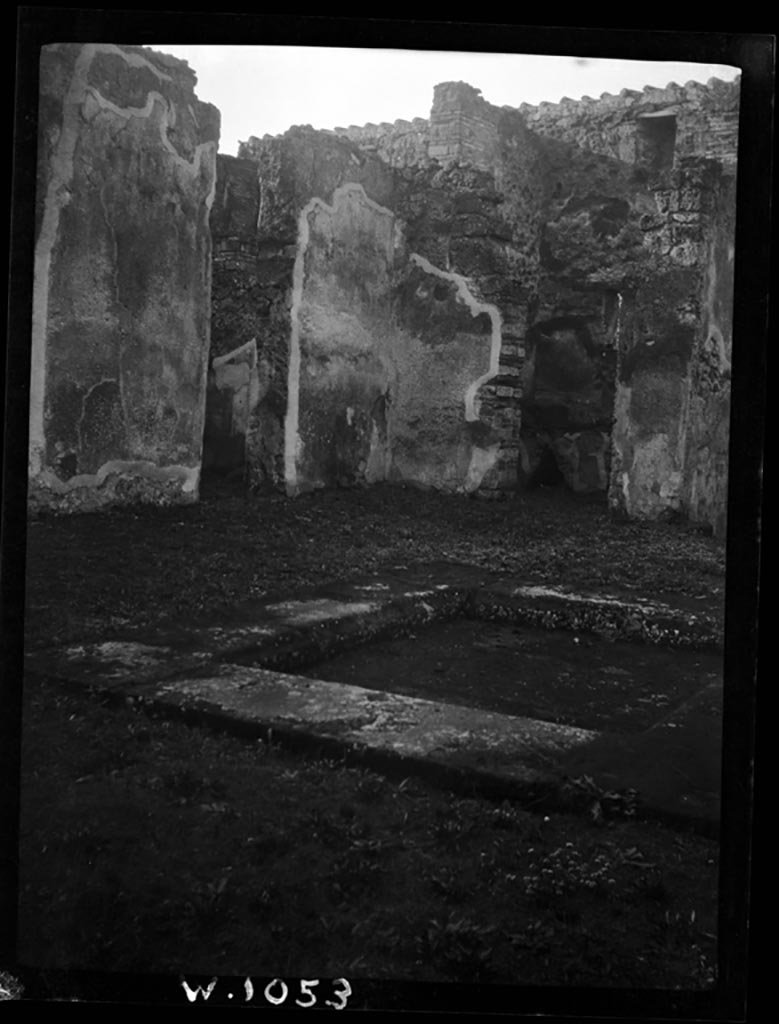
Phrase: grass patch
(150, 846)
(199, 852)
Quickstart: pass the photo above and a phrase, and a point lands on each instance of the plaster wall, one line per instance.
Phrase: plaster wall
(672, 400)
(406, 290)
(387, 356)
(708, 435)
(121, 317)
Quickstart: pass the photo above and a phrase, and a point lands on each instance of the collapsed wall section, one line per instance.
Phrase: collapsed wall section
(121, 302)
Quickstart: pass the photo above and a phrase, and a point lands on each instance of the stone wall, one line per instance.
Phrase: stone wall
(400, 144)
(463, 126)
(477, 301)
(672, 404)
(250, 313)
(483, 225)
(583, 233)
(591, 248)
(638, 248)
(635, 127)
(708, 410)
(644, 127)
(238, 303)
(399, 362)
(121, 317)
(290, 171)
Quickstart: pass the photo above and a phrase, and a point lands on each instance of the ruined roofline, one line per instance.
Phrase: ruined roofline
(400, 125)
(355, 132)
(673, 93)
(178, 66)
(158, 58)
(162, 59)
(691, 94)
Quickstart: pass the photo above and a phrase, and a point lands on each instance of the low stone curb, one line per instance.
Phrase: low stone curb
(230, 676)
(651, 622)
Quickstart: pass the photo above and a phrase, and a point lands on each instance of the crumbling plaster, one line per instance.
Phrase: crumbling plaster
(447, 352)
(377, 389)
(121, 301)
(592, 235)
(446, 301)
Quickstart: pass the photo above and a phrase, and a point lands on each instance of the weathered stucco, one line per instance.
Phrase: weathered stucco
(408, 284)
(121, 307)
(387, 355)
(673, 361)
(586, 242)
(487, 299)
(708, 410)
(407, 293)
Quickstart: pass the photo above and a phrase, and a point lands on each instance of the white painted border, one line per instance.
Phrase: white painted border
(190, 475)
(292, 441)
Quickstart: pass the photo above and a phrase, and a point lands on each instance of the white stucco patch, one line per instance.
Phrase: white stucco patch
(292, 443)
(482, 461)
(342, 196)
(321, 609)
(188, 476)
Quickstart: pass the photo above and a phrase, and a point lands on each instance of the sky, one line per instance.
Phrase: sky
(263, 90)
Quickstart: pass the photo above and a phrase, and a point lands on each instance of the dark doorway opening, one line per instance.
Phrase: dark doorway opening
(224, 459)
(567, 404)
(231, 398)
(656, 141)
(547, 473)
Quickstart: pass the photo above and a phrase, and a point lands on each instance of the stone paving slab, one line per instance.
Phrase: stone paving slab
(278, 634)
(121, 664)
(377, 719)
(505, 748)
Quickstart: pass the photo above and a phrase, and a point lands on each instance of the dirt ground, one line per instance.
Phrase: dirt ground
(149, 846)
(89, 573)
